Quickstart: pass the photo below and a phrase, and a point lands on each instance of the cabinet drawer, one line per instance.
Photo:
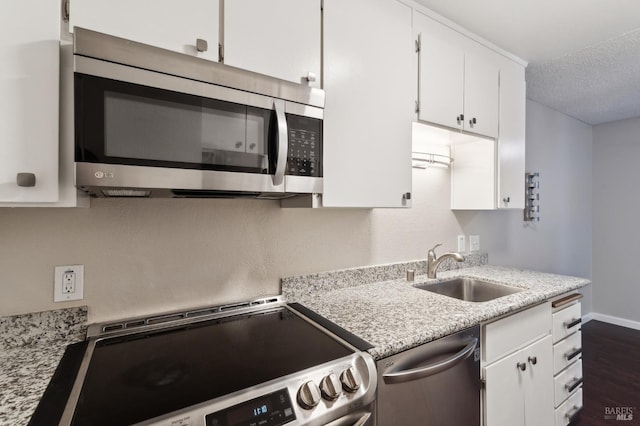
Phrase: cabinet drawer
(567, 382)
(511, 333)
(566, 321)
(567, 352)
(566, 411)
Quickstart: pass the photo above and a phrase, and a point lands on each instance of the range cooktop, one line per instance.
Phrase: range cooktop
(253, 364)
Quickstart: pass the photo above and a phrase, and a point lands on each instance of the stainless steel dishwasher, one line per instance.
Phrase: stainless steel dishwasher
(435, 384)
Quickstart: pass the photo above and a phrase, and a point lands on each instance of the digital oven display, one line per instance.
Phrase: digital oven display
(270, 410)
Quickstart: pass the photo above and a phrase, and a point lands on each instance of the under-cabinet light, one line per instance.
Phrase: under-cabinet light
(424, 160)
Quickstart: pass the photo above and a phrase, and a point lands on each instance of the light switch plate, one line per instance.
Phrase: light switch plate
(68, 283)
(462, 244)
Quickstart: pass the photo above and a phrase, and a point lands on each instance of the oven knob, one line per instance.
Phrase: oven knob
(330, 387)
(350, 379)
(308, 395)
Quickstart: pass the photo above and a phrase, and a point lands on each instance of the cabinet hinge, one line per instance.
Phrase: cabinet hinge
(418, 45)
(220, 53)
(65, 10)
(417, 107)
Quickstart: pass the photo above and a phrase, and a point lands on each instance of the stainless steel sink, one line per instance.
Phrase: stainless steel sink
(469, 289)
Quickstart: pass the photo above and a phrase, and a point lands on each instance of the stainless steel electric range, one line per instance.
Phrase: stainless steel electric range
(262, 362)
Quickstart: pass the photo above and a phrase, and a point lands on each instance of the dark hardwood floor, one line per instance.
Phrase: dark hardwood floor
(611, 372)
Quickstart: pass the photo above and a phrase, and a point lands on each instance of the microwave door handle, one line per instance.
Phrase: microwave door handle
(283, 142)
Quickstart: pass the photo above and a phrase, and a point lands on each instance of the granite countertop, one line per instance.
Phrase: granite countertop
(30, 350)
(395, 316)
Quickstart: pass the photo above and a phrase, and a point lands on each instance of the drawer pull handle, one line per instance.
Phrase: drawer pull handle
(572, 355)
(566, 300)
(570, 387)
(533, 360)
(572, 323)
(572, 414)
(522, 366)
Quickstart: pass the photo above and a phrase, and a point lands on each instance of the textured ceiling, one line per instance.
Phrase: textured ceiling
(584, 56)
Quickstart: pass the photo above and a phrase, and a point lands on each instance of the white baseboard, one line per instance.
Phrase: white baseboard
(611, 320)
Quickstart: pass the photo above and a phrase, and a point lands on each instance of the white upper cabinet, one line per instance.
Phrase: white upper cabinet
(481, 94)
(457, 89)
(286, 45)
(369, 79)
(466, 85)
(511, 147)
(441, 82)
(163, 23)
(29, 73)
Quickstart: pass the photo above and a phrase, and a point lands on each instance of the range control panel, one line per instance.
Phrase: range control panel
(270, 410)
(305, 146)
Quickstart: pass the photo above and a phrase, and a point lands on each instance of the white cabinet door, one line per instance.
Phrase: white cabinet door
(441, 80)
(511, 143)
(369, 79)
(163, 23)
(481, 92)
(280, 38)
(538, 392)
(504, 392)
(473, 178)
(29, 73)
(519, 387)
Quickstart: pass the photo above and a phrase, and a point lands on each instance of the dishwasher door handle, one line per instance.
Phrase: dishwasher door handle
(431, 369)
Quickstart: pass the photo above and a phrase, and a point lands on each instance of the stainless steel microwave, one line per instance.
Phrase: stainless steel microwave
(150, 122)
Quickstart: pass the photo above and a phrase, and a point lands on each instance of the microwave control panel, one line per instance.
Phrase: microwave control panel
(305, 146)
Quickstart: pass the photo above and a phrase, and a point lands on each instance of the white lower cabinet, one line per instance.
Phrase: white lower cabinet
(518, 387)
(567, 357)
(518, 369)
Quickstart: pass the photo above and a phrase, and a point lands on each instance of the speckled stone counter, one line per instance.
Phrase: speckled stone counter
(30, 350)
(394, 316)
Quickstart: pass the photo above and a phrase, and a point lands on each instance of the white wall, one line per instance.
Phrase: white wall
(616, 207)
(144, 256)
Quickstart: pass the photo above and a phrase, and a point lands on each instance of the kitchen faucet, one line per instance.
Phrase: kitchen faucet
(433, 261)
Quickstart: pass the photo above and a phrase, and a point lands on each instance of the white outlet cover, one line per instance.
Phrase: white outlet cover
(58, 295)
(462, 244)
(474, 242)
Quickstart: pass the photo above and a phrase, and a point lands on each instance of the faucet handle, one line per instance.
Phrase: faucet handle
(436, 246)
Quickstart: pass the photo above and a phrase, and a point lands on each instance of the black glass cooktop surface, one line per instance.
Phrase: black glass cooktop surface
(134, 378)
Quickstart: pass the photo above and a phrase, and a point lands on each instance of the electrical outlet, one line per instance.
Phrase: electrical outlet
(68, 283)
(462, 244)
(474, 242)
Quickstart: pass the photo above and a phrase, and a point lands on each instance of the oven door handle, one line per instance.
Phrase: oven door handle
(431, 369)
(283, 142)
(353, 419)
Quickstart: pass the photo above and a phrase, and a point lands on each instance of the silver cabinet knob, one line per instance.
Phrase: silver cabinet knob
(308, 395)
(522, 366)
(26, 179)
(311, 76)
(330, 387)
(350, 379)
(202, 45)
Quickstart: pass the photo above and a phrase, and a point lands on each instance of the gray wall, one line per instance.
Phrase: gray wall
(616, 206)
(144, 256)
(560, 149)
